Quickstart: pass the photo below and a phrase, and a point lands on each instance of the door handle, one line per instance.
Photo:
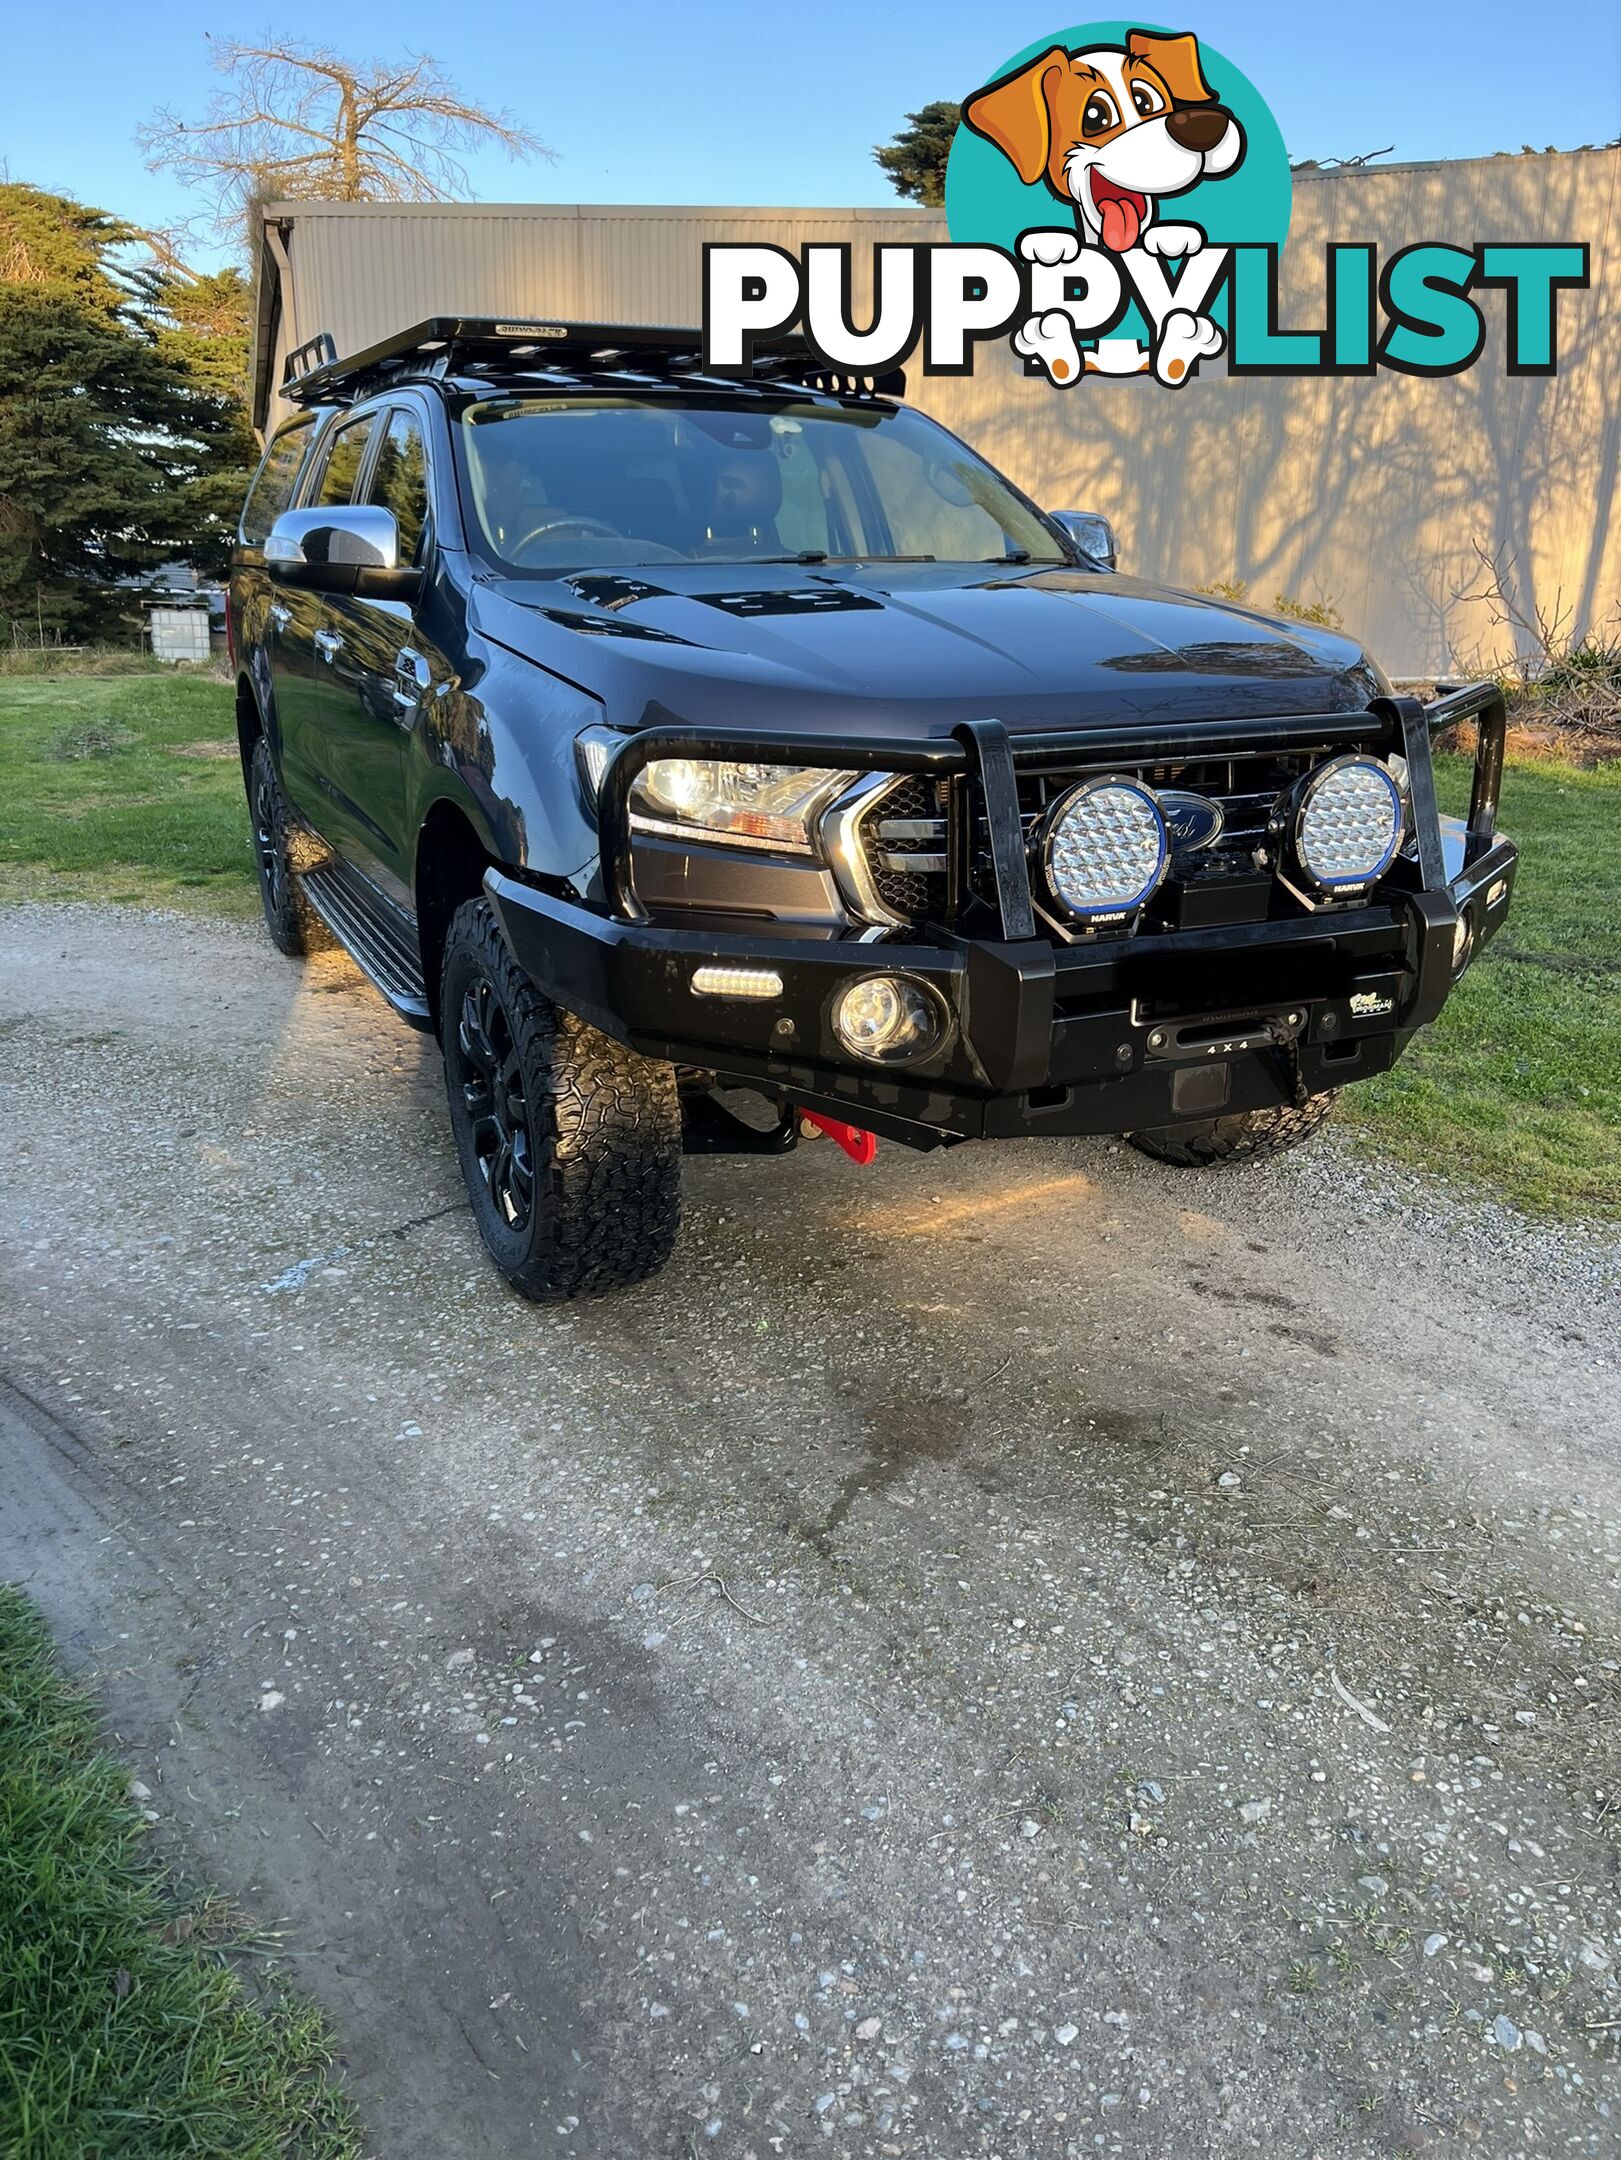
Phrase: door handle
(280, 616)
(328, 644)
(413, 679)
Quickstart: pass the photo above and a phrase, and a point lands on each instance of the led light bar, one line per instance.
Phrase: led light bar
(736, 982)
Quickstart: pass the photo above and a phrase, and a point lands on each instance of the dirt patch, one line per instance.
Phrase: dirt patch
(866, 1692)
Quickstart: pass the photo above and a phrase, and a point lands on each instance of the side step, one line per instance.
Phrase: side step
(380, 941)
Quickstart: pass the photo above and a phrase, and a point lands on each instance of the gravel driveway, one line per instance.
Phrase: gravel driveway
(1018, 1653)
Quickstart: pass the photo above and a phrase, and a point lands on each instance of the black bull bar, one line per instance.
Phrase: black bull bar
(1046, 1037)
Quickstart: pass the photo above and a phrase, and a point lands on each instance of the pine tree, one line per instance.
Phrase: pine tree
(916, 159)
(200, 326)
(103, 438)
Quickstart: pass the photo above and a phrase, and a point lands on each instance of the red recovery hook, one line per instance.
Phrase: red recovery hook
(860, 1146)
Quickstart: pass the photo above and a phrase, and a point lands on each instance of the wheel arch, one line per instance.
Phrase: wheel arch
(451, 859)
(250, 723)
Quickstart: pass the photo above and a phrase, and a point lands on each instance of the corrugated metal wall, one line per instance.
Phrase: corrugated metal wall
(1367, 494)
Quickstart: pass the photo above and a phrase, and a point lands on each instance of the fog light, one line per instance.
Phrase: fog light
(1349, 824)
(1105, 850)
(1463, 943)
(887, 1018)
(736, 982)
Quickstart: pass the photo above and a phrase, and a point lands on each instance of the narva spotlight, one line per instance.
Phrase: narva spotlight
(1105, 850)
(1349, 822)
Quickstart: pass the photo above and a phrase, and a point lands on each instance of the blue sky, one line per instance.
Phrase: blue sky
(708, 104)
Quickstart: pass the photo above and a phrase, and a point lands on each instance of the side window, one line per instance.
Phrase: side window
(273, 484)
(399, 480)
(344, 460)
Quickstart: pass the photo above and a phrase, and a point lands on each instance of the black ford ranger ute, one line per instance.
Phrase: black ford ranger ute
(712, 763)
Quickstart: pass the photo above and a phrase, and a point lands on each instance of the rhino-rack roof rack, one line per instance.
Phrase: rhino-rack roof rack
(560, 355)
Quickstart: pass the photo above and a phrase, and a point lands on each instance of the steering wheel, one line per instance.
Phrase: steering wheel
(565, 523)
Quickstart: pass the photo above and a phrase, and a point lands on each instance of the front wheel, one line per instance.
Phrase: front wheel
(570, 1144)
(1248, 1136)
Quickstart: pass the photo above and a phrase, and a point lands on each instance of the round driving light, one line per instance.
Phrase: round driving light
(1349, 824)
(1105, 849)
(887, 1018)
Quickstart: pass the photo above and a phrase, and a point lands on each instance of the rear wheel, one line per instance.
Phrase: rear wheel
(1248, 1136)
(570, 1144)
(288, 915)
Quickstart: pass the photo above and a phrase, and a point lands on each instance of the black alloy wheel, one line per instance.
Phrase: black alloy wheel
(492, 1085)
(570, 1144)
(288, 915)
(272, 874)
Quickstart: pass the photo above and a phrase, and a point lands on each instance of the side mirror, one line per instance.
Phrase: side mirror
(1093, 535)
(349, 548)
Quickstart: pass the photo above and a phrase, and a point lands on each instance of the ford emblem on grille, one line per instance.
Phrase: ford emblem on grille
(1191, 821)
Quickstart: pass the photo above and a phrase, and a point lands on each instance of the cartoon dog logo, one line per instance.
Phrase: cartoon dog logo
(1111, 131)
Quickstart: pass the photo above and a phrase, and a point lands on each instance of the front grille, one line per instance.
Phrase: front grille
(904, 837)
(909, 837)
(1245, 786)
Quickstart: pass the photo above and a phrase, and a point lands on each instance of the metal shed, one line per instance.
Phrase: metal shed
(1369, 495)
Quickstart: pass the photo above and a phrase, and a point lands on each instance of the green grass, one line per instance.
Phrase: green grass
(123, 788)
(1517, 1087)
(124, 2033)
(106, 791)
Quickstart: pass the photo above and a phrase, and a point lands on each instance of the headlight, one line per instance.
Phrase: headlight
(1349, 823)
(770, 805)
(763, 806)
(1105, 849)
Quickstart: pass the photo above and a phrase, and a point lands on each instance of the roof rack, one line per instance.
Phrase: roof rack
(565, 354)
(315, 352)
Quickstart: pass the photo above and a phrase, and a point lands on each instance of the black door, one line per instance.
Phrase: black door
(294, 620)
(384, 672)
(308, 646)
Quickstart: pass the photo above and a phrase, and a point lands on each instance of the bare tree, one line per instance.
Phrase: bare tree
(1542, 633)
(299, 120)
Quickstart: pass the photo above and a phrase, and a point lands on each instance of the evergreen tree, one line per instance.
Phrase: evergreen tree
(200, 326)
(104, 436)
(916, 159)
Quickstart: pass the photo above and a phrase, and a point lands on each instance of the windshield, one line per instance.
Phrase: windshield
(570, 482)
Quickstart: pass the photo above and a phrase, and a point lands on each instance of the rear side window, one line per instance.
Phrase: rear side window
(273, 484)
(399, 480)
(344, 460)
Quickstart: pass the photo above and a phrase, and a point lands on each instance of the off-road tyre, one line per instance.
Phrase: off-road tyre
(1250, 1136)
(294, 927)
(570, 1144)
